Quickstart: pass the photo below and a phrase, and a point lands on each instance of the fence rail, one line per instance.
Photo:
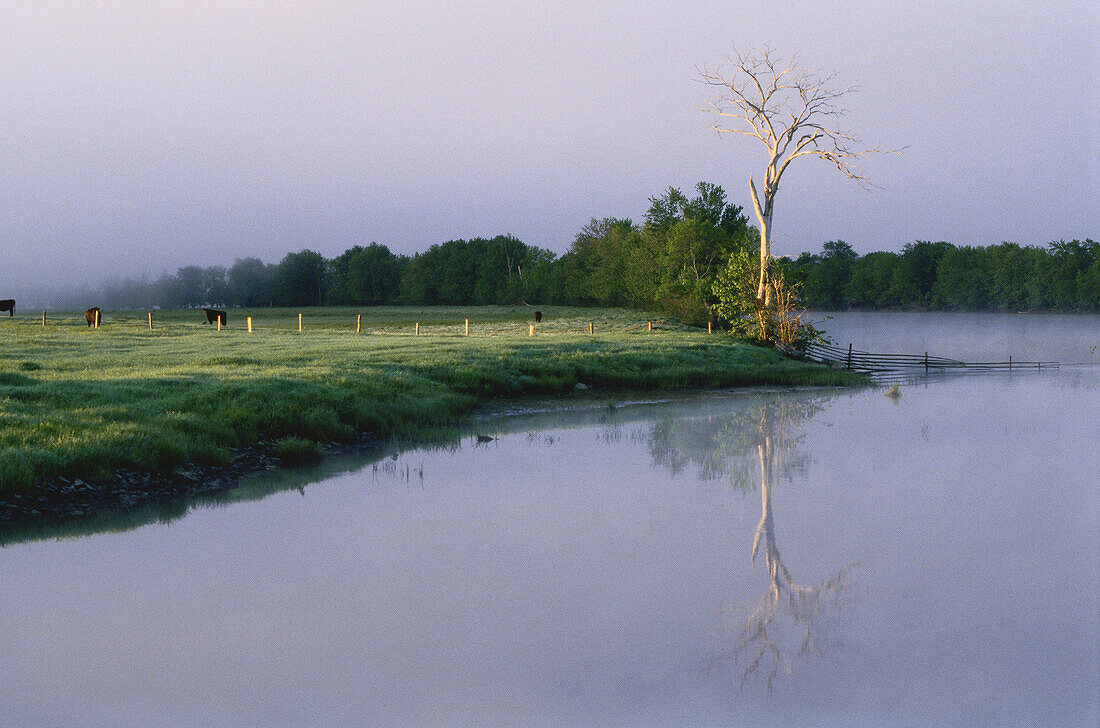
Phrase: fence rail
(865, 361)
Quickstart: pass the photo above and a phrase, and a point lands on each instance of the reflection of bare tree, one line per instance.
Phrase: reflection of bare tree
(788, 622)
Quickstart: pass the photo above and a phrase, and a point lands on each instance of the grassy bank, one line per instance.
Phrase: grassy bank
(77, 401)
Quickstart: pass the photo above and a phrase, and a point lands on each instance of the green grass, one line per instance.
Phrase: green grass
(78, 401)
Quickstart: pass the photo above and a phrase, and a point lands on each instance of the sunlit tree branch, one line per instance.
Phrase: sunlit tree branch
(782, 104)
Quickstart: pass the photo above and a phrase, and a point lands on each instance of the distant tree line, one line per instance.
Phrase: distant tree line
(946, 277)
(673, 262)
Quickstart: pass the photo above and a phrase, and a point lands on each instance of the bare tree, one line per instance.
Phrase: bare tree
(794, 113)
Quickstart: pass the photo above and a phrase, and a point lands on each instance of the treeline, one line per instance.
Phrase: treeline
(671, 262)
(502, 270)
(942, 276)
(668, 263)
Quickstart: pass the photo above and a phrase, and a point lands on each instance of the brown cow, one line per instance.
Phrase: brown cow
(92, 316)
(8, 305)
(538, 317)
(213, 315)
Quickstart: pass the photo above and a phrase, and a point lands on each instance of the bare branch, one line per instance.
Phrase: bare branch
(794, 112)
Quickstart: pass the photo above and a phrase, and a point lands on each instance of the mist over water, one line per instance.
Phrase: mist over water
(1065, 338)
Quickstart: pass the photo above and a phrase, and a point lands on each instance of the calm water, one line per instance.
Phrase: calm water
(800, 558)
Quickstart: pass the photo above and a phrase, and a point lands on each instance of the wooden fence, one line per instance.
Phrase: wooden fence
(864, 361)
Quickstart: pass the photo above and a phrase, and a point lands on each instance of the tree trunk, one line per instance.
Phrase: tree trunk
(764, 217)
(764, 288)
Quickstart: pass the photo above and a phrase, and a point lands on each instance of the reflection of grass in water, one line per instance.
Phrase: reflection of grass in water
(127, 397)
(298, 451)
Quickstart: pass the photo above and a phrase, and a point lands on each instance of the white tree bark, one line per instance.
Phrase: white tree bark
(793, 113)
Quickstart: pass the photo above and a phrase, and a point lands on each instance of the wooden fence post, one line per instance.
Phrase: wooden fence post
(43, 318)
(358, 323)
(591, 328)
(849, 364)
(219, 322)
(710, 327)
(467, 327)
(1009, 362)
(651, 327)
(150, 320)
(97, 318)
(250, 324)
(299, 323)
(417, 329)
(530, 329)
(926, 362)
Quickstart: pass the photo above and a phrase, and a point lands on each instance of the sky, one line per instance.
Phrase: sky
(139, 137)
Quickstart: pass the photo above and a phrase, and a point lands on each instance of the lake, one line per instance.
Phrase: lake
(746, 558)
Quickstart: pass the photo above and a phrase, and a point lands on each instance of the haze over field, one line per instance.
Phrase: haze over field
(139, 137)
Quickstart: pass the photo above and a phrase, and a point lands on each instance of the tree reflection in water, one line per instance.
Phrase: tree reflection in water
(788, 623)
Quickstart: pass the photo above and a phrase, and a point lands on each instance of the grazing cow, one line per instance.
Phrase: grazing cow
(8, 305)
(212, 316)
(538, 317)
(92, 315)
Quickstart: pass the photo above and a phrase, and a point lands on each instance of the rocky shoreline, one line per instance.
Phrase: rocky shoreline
(63, 499)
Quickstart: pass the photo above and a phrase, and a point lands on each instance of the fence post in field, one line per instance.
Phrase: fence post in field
(651, 327)
(467, 327)
(416, 332)
(710, 327)
(926, 362)
(43, 318)
(849, 364)
(150, 320)
(358, 323)
(299, 323)
(97, 318)
(591, 328)
(219, 322)
(1009, 362)
(530, 329)
(250, 324)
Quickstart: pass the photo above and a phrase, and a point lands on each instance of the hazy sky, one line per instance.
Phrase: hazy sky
(136, 137)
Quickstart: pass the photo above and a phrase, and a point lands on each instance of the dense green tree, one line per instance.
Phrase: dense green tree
(300, 279)
(499, 269)
(1088, 280)
(595, 267)
(367, 276)
(215, 284)
(916, 272)
(962, 280)
(251, 283)
(1066, 268)
(871, 284)
(417, 287)
(540, 277)
(695, 250)
(1011, 272)
(826, 282)
(186, 289)
(693, 239)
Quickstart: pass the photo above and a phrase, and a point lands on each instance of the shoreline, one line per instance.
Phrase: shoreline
(65, 501)
(96, 420)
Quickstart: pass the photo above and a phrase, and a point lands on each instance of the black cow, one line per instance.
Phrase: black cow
(92, 316)
(213, 315)
(538, 317)
(8, 305)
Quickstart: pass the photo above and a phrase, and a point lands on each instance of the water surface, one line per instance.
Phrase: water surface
(927, 561)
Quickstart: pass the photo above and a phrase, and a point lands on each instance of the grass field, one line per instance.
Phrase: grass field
(75, 400)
